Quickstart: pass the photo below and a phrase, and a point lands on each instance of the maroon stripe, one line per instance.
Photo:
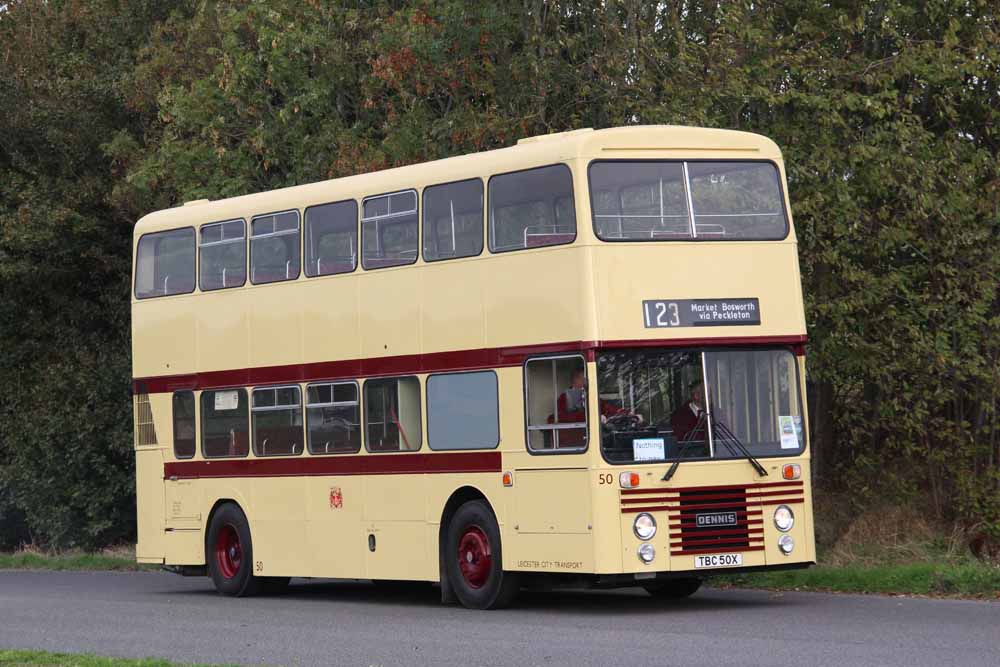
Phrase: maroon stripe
(435, 362)
(747, 537)
(757, 485)
(365, 464)
(738, 532)
(783, 501)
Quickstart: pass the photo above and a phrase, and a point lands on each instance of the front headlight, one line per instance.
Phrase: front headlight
(644, 526)
(646, 553)
(783, 518)
(786, 544)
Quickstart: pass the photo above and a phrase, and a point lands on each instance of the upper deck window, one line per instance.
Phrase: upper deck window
(164, 264)
(453, 220)
(331, 238)
(389, 230)
(223, 254)
(680, 201)
(274, 247)
(532, 208)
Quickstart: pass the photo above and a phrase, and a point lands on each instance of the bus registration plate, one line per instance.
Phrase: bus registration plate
(718, 560)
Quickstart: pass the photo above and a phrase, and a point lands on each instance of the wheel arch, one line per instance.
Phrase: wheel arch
(458, 497)
(233, 498)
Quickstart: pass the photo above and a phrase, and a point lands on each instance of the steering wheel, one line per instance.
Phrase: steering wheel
(624, 422)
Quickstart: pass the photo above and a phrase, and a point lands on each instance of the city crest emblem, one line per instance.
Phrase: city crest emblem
(336, 498)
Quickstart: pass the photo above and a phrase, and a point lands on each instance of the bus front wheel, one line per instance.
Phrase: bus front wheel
(673, 589)
(474, 561)
(229, 552)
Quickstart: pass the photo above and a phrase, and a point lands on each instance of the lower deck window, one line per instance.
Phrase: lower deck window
(463, 411)
(225, 428)
(392, 414)
(333, 416)
(556, 403)
(184, 430)
(277, 421)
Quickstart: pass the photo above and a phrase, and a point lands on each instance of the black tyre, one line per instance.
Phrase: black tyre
(474, 560)
(673, 589)
(229, 553)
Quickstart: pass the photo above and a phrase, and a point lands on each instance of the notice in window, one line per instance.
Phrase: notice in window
(789, 432)
(648, 449)
(226, 400)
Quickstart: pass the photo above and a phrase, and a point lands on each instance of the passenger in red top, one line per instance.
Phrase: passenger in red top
(686, 417)
(571, 408)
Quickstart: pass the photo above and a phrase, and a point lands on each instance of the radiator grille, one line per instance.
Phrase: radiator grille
(145, 430)
(740, 526)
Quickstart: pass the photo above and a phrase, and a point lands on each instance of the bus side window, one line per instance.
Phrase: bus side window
(331, 238)
(333, 418)
(389, 230)
(164, 264)
(556, 403)
(392, 414)
(274, 247)
(532, 208)
(453, 220)
(225, 428)
(184, 440)
(277, 421)
(223, 252)
(463, 411)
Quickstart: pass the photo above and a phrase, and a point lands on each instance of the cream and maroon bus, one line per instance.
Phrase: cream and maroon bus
(575, 361)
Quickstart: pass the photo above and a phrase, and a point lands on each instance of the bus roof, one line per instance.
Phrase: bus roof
(635, 142)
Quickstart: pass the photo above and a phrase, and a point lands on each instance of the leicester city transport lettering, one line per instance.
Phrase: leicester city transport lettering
(662, 313)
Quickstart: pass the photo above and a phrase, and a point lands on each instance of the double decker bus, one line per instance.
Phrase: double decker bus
(575, 361)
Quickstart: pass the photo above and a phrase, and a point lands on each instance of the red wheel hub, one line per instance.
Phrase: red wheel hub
(228, 551)
(475, 558)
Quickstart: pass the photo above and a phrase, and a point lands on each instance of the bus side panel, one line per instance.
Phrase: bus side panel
(163, 335)
(538, 297)
(223, 330)
(334, 537)
(150, 547)
(278, 526)
(395, 516)
(553, 526)
(390, 315)
(275, 326)
(453, 316)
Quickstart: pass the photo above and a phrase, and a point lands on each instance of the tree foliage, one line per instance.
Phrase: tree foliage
(888, 113)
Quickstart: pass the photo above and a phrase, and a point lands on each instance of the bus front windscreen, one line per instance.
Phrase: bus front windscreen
(659, 200)
(668, 405)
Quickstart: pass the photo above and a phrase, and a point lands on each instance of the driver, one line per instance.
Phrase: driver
(685, 418)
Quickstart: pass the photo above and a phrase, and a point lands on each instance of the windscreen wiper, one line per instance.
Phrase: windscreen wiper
(684, 445)
(730, 440)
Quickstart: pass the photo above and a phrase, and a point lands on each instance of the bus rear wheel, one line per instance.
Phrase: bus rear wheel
(229, 553)
(673, 589)
(473, 559)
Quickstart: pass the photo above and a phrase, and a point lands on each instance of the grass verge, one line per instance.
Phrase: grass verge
(975, 580)
(120, 560)
(46, 659)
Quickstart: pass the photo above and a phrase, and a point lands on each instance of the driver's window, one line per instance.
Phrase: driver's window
(556, 403)
(648, 396)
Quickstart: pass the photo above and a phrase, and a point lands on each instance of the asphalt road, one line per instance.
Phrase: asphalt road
(354, 623)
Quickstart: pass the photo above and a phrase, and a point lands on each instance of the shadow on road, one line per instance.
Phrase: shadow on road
(420, 594)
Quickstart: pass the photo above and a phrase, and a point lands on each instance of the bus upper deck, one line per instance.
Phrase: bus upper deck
(597, 237)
